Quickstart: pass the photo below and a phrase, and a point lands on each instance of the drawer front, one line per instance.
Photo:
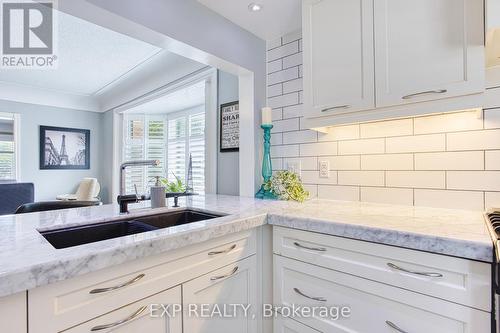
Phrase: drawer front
(458, 280)
(374, 307)
(68, 303)
(138, 317)
(287, 325)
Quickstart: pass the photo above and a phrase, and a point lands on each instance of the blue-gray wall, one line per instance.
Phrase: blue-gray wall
(228, 175)
(49, 183)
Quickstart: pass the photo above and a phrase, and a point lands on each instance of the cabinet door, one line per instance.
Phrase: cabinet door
(338, 56)
(146, 315)
(427, 50)
(231, 285)
(287, 325)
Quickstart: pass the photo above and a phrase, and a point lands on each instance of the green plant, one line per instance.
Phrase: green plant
(287, 185)
(176, 186)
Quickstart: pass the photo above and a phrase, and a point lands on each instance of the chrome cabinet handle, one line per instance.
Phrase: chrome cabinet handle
(439, 91)
(319, 249)
(119, 322)
(128, 283)
(319, 299)
(429, 274)
(213, 253)
(215, 278)
(395, 327)
(336, 107)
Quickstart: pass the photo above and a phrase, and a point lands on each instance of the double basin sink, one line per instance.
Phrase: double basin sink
(79, 235)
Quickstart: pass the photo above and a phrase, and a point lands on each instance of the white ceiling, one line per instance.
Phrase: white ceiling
(275, 19)
(89, 58)
(181, 99)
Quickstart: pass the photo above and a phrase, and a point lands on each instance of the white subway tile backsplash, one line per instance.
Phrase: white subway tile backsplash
(275, 66)
(416, 179)
(285, 151)
(277, 139)
(387, 162)
(275, 90)
(292, 86)
(312, 189)
(271, 44)
(365, 146)
(492, 118)
(473, 180)
(388, 128)
(363, 178)
(417, 143)
(318, 149)
(468, 200)
(492, 200)
(306, 163)
(451, 122)
(492, 160)
(474, 140)
(312, 177)
(337, 133)
(283, 100)
(305, 136)
(387, 195)
(292, 60)
(469, 160)
(293, 111)
(282, 76)
(292, 36)
(333, 192)
(283, 51)
(447, 160)
(285, 125)
(347, 162)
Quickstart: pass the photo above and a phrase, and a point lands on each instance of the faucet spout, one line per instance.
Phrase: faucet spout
(126, 164)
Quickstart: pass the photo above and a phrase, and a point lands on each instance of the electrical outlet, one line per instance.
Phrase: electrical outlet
(294, 166)
(324, 169)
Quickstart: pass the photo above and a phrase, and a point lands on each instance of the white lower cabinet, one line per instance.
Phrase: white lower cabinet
(218, 291)
(373, 306)
(146, 315)
(287, 325)
(13, 313)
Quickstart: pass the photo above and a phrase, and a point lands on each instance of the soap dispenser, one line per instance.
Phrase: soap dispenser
(158, 198)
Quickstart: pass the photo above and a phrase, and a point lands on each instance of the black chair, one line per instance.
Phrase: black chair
(43, 206)
(12, 195)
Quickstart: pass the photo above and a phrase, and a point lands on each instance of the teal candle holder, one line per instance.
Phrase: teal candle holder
(267, 168)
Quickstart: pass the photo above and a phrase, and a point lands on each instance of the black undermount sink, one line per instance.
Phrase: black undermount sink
(79, 235)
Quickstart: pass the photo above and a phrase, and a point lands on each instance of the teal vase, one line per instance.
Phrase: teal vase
(267, 168)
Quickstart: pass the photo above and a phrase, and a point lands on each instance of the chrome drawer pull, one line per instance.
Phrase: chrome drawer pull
(319, 299)
(213, 253)
(128, 283)
(215, 278)
(336, 107)
(395, 327)
(319, 249)
(439, 91)
(429, 274)
(119, 322)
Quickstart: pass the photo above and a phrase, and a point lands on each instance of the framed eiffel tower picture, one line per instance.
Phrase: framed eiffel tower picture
(64, 148)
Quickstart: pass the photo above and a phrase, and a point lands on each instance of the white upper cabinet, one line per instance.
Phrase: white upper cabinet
(338, 55)
(375, 59)
(427, 50)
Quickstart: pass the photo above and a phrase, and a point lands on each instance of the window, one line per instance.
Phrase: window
(171, 139)
(7, 148)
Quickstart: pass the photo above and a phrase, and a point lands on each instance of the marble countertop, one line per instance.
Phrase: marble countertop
(27, 260)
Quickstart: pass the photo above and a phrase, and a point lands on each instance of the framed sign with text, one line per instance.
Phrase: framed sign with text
(230, 127)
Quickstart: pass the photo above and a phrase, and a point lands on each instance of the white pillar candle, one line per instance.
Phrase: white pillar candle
(267, 116)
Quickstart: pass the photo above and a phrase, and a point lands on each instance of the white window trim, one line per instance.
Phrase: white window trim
(210, 77)
(16, 117)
